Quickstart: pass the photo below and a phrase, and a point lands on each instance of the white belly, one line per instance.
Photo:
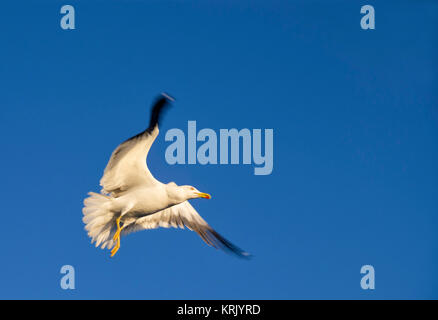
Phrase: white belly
(142, 201)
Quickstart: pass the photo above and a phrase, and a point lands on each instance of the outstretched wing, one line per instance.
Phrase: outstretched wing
(127, 166)
(184, 215)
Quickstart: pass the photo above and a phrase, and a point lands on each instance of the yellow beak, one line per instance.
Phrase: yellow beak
(204, 195)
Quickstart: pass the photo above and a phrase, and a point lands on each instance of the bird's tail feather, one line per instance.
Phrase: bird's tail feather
(99, 219)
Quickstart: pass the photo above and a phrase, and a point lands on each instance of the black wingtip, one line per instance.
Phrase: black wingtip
(162, 101)
(227, 246)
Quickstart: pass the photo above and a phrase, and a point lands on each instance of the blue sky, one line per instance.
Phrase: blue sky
(354, 114)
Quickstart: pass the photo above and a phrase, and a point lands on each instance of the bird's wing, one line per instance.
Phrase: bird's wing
(184, 215)
(127, 166)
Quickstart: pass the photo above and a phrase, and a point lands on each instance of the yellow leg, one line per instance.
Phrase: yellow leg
(117, 237)
(117, 234)
(116, 248)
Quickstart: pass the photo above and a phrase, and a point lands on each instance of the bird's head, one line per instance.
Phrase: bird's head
(193, 193)
(178, 194)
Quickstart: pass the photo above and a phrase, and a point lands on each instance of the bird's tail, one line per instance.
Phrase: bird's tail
(99, 219)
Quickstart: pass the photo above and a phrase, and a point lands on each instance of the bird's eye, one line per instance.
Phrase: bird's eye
(192, 188)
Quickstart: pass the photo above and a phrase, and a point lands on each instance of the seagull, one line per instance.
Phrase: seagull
(131, 198)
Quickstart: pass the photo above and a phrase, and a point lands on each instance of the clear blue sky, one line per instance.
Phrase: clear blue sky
(355, 122)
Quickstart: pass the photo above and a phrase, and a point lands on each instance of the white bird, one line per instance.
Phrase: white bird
(132, 199)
